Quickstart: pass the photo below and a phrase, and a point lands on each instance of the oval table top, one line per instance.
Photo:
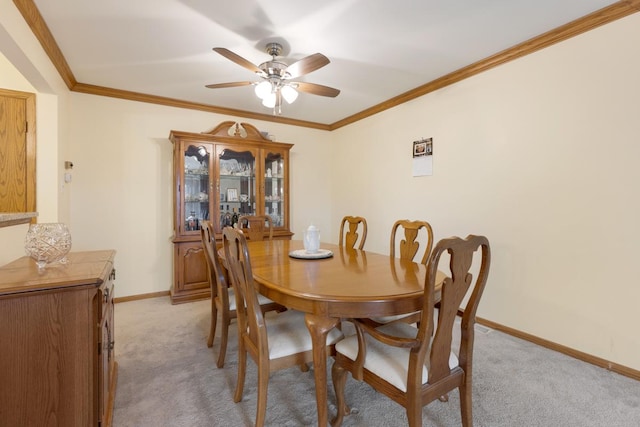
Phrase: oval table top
(351, 283)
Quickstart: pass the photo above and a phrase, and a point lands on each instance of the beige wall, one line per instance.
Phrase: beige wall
(538, 154)
(121, 194)
(541, 155)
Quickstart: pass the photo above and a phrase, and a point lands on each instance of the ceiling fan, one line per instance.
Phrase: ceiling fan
(277, 77)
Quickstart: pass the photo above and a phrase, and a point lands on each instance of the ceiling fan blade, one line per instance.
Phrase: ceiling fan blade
(307, 65)
(232, 84)
(316, 89)
(238, 59)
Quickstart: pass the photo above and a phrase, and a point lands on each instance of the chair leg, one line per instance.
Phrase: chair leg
(214, 320)
(224, 337)
(465, 403)
(263, 383)
(242, 370)
(339, 378)
(414, 412)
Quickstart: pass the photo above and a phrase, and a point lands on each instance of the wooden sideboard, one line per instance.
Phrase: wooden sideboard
(57, 359)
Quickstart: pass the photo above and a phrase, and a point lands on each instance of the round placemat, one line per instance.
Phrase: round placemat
(302, 254)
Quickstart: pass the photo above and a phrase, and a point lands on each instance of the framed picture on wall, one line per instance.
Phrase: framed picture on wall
(424, 147)
(423, 157)
(232, 195)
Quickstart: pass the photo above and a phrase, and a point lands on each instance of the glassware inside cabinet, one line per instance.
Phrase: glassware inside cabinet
(237, 186)
(274, 188)
(196, 187)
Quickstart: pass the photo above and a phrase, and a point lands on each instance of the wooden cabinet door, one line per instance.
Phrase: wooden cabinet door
(17, 152)
(236, 183)
(191, 277)
(106, 356)
(194, 185)
(47, 359)
(275, 191)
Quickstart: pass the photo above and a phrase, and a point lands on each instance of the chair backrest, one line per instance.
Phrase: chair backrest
(248, 311)
(255, 226)
(350, 239)
(409, 246)
(217, 280)
(436, 336)
(206, 237)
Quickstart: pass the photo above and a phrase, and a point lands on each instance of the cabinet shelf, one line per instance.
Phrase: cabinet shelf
(237, 176)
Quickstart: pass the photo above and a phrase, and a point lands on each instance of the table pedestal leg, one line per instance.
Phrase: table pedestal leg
(319, 327)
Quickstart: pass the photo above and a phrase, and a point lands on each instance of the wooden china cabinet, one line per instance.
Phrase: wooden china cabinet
(220, 175)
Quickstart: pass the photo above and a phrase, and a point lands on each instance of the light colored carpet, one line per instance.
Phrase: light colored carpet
(168, 377)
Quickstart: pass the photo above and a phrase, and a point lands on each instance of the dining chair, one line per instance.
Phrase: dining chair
(273, 342)
(350, 238)
(408, 246)
(417, 365)
(255, 226)
(223, 300)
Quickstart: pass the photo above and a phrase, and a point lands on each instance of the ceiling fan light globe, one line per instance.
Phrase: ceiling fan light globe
(263, 89)
(289, 94)
(269, 101)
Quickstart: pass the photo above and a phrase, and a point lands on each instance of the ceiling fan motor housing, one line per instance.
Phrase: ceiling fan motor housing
(275, 69)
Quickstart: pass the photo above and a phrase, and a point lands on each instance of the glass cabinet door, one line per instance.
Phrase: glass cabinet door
(274, 185)
(237, 186)
(195, 200)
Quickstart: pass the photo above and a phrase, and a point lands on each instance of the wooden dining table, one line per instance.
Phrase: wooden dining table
(350, 284)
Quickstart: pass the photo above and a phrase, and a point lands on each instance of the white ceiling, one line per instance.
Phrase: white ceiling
(378, 48)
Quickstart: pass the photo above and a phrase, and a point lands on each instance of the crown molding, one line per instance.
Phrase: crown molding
(596, 19)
